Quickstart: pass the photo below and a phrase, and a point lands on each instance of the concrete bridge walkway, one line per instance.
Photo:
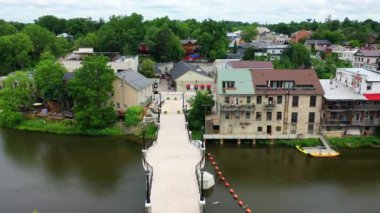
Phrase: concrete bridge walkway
(174, 187)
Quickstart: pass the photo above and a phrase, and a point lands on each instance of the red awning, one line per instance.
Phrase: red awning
(372, 97)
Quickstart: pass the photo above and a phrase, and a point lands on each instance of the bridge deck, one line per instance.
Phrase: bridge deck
(174, 187)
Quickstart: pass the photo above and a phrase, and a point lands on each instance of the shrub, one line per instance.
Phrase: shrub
(9, 118)
(150, 130)
(133, 116)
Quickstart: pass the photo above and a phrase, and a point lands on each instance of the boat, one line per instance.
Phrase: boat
(318, 152)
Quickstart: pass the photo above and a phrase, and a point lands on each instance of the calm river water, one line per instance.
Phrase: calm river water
(53, 173)
(283, 180)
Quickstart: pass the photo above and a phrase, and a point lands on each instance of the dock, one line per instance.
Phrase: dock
(174, 158)
(319, 151)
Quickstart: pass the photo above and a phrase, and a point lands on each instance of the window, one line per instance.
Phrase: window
(208, 87)
(294, 117)
(248, 99)
(279, 99)
(118, 105)
(278, 128)
(295, 101)
(293, 129)
(270, 100)
(187, 86)
(247, 115)
(227, 99)
(310, 128)
(311, 117)
(269, 116)
(227, 115)
(279, 116)
(237, 115)
(313, 101)
(202, 86)
(369, 85)
(258, 100)
(258, 116)
(259, 129)
(228, 84)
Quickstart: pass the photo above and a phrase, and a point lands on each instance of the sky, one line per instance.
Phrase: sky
(261, 11)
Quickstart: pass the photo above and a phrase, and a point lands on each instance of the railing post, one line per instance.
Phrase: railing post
(202, 196)
(147, 187)
(183, 100)
(144, 145)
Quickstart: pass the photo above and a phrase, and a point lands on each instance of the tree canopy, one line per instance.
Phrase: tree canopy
(295, 56)
(147, 68)
(91, 89)
(200, 105)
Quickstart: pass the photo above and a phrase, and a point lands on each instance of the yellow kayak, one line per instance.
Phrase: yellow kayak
(301, 150)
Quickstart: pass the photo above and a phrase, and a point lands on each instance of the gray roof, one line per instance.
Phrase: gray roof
(68, 76)
(319, 42)
(369, 53)
(182, 67)
(135, 79)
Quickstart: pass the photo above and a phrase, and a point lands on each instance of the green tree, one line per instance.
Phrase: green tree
(200, 105)
(212, 39)
(81, 26)
(42, 39)
(48, 77)
(89, 40)
(249, 33)
(90, 89)
(14, 52)
(325, 69)
(334, 37)
(249, 54)
(122, 34)
(17, 92)
(165, 46)
(147, 68)
(133, 116)
(52, 23)
(61, 47)
(298, 56)
(6, 28)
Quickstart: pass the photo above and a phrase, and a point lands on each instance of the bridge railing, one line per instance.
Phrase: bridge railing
(148, 179)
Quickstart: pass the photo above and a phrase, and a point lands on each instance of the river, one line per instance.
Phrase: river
(283, 180)
(54, 173)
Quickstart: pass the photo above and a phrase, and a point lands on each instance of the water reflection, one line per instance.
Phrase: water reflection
(105, 167)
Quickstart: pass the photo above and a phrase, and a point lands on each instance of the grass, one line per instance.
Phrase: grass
(196, 135)
(355, 141)
(64, 127)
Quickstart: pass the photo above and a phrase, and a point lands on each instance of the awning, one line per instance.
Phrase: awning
(373, 96)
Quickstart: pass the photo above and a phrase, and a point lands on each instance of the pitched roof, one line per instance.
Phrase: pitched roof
(302, 79)
(192, 41)
(182, 67)
(251, 64)
(135, 79)
(319, 42)
(242, 79)
(369, 53)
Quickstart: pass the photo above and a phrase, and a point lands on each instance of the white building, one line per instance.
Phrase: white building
(367, 59)
(346, 55)
(274, 51)
(361, 80)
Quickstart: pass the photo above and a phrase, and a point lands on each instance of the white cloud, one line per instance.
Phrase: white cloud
(268, 11)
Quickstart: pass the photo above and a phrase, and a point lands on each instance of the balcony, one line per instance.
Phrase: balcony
(375, 122)
(269, 106)
(358, 107)
(240, 107)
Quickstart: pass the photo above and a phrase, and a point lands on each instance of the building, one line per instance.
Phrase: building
(273, 51)
(188, 77)
(317, 45)
(117, 62)
(300, 35)
(250, 65)
(368, 59)
(131, 89)
(190, 46)
(265, 104)
(351, 103)
(346, 55)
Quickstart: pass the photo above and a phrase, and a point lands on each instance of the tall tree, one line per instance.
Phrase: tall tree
(52, 23)
(165, 46)
(249, 54)
(212, 39)
(122, 34)
(14, 52)
(249, 33)
(48, 77)
(6, 28)
(89, 40)
(298, 55)
(81, 26)
(42, 39)
(90, 90)
(17, 92)
(147, 68)
(200, 105)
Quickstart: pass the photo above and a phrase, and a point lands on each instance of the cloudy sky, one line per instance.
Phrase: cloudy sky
(262, 11)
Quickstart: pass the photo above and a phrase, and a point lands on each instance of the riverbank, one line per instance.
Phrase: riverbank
(343, 142)
(67, 127)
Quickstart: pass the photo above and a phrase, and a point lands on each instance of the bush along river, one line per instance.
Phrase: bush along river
(55, 173)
